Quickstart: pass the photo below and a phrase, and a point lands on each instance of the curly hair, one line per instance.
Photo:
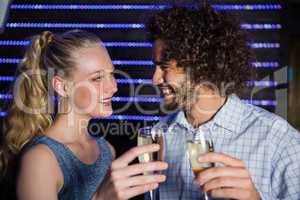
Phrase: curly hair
(208, 43)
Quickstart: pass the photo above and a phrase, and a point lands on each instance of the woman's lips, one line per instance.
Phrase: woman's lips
(106, 101)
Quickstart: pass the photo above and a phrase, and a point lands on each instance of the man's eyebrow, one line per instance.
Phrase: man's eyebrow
(159, 63)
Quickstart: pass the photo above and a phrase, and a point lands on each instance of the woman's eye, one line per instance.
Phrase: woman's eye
(98, 78)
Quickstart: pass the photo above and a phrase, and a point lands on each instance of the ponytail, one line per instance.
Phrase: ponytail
(26, 118)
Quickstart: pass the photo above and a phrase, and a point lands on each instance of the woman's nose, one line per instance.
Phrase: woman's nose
(111, 86)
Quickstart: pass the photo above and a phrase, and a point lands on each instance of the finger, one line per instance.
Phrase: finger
(133, 153)
(137, 169)
(232, 182)
(221, 158)
(231, 193)
(217, 172)
(134, 191)
(140, 180)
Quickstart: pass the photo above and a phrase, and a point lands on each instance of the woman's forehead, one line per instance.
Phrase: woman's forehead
(93, 59)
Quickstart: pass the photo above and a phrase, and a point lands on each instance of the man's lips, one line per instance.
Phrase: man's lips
(167, 90)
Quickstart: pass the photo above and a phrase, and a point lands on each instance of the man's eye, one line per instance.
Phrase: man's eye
(162, 65)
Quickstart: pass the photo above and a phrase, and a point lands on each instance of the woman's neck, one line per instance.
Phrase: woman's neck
(70, 128)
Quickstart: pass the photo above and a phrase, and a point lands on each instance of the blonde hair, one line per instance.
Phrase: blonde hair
(47, 53)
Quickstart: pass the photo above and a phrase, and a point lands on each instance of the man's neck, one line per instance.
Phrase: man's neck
(205, 109)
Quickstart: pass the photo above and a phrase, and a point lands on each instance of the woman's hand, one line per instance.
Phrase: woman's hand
(125, 181)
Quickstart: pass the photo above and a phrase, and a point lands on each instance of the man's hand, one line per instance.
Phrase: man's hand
(231, 181)
(125, 181)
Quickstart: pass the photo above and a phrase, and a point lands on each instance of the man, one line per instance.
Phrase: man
(202, 59)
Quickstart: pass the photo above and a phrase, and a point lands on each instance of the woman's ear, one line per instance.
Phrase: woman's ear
(60, 86)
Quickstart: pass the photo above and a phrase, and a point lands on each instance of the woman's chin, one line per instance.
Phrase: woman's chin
(103, 113)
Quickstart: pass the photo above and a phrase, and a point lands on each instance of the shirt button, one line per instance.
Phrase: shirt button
(214, 128)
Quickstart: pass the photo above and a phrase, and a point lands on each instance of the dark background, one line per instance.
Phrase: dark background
(282, 99)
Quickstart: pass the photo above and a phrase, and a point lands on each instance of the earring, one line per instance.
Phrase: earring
(63, 107)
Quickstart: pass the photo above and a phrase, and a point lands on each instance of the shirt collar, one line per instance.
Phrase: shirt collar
(228, 117)
(231, 114)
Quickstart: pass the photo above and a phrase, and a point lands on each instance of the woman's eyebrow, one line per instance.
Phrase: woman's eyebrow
(98, 71)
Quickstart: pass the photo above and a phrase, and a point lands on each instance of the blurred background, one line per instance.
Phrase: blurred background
(273, 26)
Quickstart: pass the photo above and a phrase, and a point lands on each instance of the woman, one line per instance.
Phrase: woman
(59, 160)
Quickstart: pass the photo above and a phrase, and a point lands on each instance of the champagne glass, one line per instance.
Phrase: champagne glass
(195, 148)
(151, 135)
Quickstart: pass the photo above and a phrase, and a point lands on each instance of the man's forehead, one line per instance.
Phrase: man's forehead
(157, 50)
(158, 45)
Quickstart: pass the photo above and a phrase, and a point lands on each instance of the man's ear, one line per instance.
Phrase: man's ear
(60, 86)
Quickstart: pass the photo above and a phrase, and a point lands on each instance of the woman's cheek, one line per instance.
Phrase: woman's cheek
(82, 97)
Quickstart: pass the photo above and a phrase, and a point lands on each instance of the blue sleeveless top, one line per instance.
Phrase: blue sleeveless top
(81, 180)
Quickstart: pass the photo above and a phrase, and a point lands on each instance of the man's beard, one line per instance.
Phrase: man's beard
(184, 97)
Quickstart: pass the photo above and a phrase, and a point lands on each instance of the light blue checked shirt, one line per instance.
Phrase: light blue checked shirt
(267, 144)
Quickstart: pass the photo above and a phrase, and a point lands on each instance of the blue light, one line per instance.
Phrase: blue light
(157, 100)
(107, 44)
(266, 64)
(136, 99)
(263, 83)
(7, 78)
(6, 96)
(3, 114)
(127, 44)
(14, 43)
(131, 117)
(147, 63)
(120, 81)
(132, 62)
(87, 7)
(149, 81)
(9, 60)
(134, 81)
(265, 45)
(120, 26)
(115, 62)
(137, 7)
(260, 102)
(247, 7)
(260, 26)
(132, 44)
(74, 25)
(118, 117)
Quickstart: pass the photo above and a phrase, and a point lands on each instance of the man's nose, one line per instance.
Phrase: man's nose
(157, 76)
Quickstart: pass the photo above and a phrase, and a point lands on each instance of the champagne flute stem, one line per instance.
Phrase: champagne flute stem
(206, 197)
(152, 196)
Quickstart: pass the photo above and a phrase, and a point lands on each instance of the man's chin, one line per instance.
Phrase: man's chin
(169, 104)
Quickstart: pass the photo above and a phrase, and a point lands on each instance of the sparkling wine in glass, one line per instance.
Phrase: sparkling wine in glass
(196, 148)
(151, 135)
